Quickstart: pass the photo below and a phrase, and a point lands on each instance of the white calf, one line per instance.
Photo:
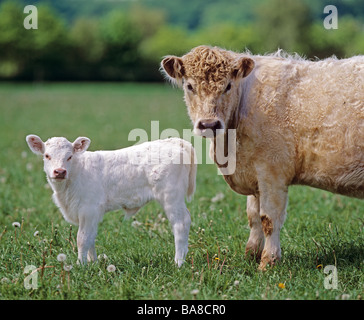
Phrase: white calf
(86, 184)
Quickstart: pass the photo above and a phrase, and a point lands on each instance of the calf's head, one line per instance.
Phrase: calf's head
(211, 79)
(58, 154)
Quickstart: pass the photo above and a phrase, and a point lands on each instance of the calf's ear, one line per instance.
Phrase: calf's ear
(81, 144)
(243, 67)
(173, 68)
(35, 144)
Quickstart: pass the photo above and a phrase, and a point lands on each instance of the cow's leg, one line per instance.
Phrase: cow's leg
(273, 203)
(86, 236)
(255, 243)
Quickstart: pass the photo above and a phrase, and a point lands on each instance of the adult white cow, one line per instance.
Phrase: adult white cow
(87, 184)
(296, 121)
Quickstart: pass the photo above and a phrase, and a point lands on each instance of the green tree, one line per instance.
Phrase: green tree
(49, 45)
(167, 40)
(121, 38)
(36, 52)
(345, 41)
(14, 39)
(236, 12)
(147, 20)
(283, 24)
(85, 37)
(229, 36)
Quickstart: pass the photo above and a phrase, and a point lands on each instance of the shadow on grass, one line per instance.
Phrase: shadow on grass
(344, 254)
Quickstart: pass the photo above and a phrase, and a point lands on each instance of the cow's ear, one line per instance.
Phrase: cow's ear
(173, 68)
(35, 144)
(81, 144)
(243, 67)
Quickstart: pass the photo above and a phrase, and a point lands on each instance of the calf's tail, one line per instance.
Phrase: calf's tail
(192, 174)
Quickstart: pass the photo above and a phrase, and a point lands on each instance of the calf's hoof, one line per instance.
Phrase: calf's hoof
(179, 262)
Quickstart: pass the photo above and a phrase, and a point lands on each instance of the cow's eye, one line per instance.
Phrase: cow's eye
(228, 87)
(189, 87)
(69, 158)
(47, 156)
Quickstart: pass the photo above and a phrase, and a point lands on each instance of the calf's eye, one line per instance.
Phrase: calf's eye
(69, 158)
(47, 156)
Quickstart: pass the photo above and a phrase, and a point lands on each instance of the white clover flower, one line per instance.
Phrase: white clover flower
(136, 224)
(5, 280)
(102, 256)
(16, 224)
(111, 268)
(218, 197)
(195, 292)
(236, 283)
(67, 267)
(61, 257)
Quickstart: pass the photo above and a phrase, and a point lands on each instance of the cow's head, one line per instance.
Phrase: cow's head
(58, 154)
(211, 79)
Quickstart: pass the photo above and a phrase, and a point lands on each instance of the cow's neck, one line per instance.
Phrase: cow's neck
(228, 139)
(59, 186)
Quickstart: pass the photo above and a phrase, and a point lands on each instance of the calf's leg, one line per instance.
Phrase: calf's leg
(86, 236)
(180, 219)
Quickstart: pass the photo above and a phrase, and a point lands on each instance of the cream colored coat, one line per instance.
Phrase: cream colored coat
(296, 122)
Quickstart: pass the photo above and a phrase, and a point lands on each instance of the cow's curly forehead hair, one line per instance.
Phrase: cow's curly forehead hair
(209, 66)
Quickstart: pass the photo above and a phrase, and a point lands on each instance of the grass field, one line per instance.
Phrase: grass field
(321, 229)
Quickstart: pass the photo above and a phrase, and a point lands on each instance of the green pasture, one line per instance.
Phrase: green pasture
(321, 229)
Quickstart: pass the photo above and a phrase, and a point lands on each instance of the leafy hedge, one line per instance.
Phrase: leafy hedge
(128, 44)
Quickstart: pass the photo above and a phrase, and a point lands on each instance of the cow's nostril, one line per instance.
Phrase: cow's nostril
(209, 124)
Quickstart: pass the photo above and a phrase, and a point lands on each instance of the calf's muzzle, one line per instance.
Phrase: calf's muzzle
(60, 173)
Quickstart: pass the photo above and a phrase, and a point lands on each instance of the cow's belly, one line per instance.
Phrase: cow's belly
(345, 180)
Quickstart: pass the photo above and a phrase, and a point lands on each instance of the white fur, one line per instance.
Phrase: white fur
(102, 181)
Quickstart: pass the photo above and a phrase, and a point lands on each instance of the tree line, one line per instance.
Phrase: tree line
(127, 44)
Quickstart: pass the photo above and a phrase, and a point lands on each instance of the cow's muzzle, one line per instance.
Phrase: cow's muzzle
(209, 128)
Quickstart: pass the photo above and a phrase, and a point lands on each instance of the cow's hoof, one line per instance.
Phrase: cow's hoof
(267, 262)
(253, 253)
